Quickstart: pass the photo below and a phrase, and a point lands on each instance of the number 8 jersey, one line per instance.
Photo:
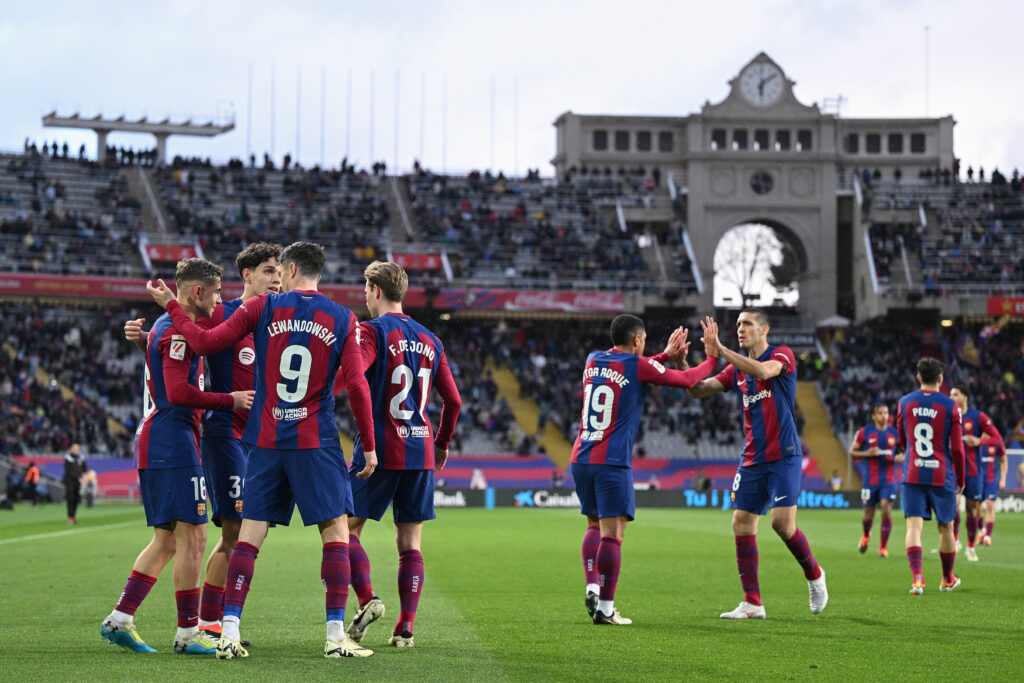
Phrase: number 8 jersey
(613, 402)
(930, 434)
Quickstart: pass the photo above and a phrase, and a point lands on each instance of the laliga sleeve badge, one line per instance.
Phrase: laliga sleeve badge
(177, 347)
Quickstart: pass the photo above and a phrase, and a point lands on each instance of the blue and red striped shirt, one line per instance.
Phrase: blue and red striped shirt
(879, 469)
(931, 435)
(231, 369)
(977, 423)
(173, 400)
(769, 424)
(302, 340)
(403, 360)
(613, 402)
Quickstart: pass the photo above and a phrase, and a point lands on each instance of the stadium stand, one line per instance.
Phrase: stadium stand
(67, 216)
(229, 207)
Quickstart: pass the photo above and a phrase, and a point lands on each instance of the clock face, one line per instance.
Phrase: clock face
(761, 84)
(761, 182)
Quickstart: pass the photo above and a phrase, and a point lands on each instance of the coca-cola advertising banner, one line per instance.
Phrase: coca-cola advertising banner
(513, 300)
(1005, 305)
(418, 261)
(129, 289)
(169, 252)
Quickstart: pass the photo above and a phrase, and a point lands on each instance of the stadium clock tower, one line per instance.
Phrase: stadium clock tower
(762, 156)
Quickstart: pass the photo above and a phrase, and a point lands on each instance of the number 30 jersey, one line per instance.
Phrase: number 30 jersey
(613, 402)
(301, 339)
(931, 435)
(403, 360)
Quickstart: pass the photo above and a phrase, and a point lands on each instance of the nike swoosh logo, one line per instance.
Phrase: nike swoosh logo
(778, 498)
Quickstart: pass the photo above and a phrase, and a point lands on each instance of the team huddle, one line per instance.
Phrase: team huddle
(947, 450)
(277, 357)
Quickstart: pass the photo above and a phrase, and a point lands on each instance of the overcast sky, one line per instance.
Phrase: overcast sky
(193, 58)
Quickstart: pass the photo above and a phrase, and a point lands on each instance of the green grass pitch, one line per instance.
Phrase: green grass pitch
(503, 600)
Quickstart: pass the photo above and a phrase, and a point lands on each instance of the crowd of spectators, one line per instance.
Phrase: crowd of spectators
(88, 372)
(229, 207)
(65, 217)
(875, 362)
(498, 230)
(972, 239)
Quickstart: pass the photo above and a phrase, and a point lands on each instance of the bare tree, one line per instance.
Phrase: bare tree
(753, 266)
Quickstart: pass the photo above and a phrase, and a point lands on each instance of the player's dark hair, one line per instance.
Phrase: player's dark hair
(308, 258)
(390, 277)
(963, 390)
(759, 313)
(197, 270)
(875, 407)
(255, 254)
(929, 370)
(624, 328)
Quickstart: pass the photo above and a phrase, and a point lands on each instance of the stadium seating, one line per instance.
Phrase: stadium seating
(229, 207)
(959, 238)
(67, 216)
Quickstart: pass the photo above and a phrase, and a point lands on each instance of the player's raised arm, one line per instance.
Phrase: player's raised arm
(352, 372)
(956, 438)
(451, 405)
(177, 358)
(134, 333)
(226, 334)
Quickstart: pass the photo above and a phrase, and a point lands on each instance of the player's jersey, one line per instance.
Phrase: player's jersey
(173, 399)
(768, 408)
(878, 470)
(613, 402)
(930, 434)
(300, 335)
(230, 370)
(407, 357)
(977, 423)
(986, 462)
(301, 338)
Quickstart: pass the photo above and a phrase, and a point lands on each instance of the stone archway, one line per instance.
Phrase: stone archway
(758, 263)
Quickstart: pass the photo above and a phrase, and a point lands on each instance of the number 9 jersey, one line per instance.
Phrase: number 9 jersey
(931, 435)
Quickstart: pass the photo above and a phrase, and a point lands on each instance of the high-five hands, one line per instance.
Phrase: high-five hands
(712, 347)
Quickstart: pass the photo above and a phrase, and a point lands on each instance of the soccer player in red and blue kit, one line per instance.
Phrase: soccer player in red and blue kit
(875, 444)
(224, 456)
(979, 433)
(931, 435)
(613, 403)
(769, 475)
(403, 360)
(302, 339)
(170, 476)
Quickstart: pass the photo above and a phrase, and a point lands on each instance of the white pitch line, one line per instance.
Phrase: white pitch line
(66, 532)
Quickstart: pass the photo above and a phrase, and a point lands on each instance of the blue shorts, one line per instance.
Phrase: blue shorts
(873, 495)
(315, 479)
(974, 488)
(409, 492)
(173, 495)
(919, 500)
(767, 485)
(605, 490)
(991, 490)
(224, 462)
